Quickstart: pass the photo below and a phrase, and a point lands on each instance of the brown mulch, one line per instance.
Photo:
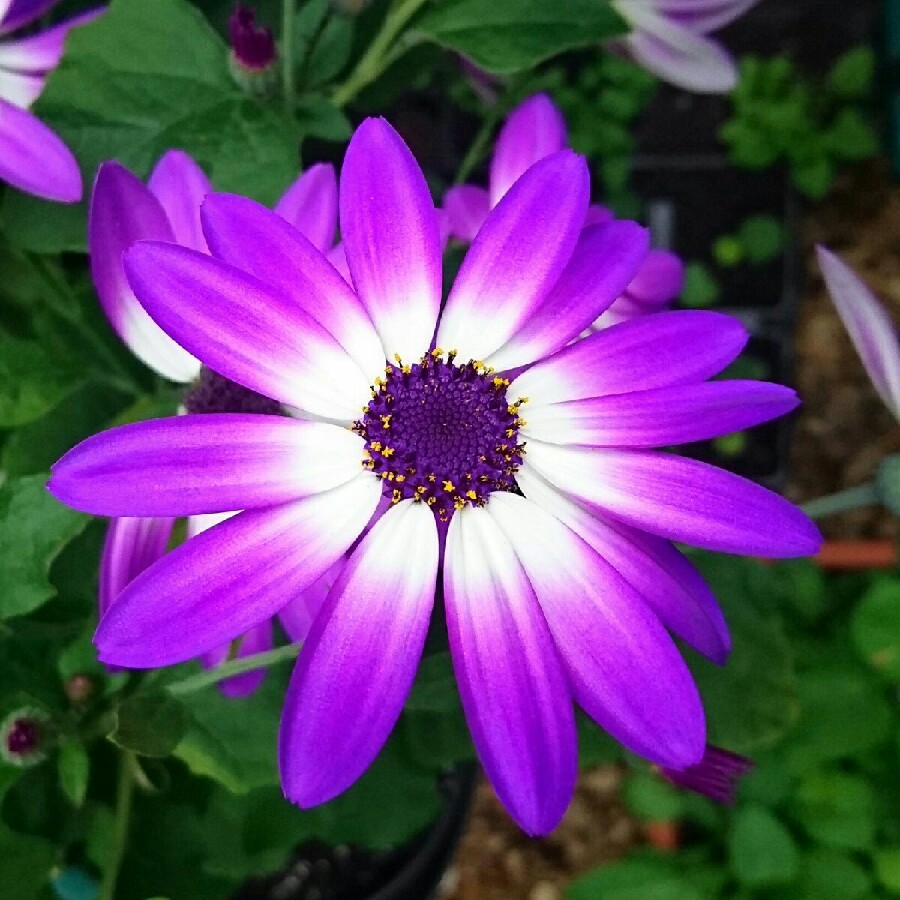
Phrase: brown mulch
(843, 430)
(496, 861)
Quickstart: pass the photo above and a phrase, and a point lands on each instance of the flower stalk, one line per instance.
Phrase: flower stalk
(288, 17)
(124, 796)
(234, 667)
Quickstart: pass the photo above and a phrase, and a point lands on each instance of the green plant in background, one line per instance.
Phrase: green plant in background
(781, 116)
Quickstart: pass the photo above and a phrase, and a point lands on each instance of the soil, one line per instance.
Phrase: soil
(496, 861)
(843, 430)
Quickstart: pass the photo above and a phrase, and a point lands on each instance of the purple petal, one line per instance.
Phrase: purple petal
(661, 417)
(391, 238)
(204, 464)
(261, 243)
(681, 57)
(310, 204)
(598, 215)
(659, 280)
(704, 15)
(513, 688)
(604, 263)
(623, 667)
(131, 545)
(180, 186)
(338, 258)
(360, 659)
(123, 211)
(226, 580)
(467, 207)
(656, 351)
(869, 326)
(257, 640)
(534, 130)
(245, 330)
(21, 88)
(34, 160)
(664, 579)
(680, 499)
(716, 776)
(40, 53)
(517, 257)
(17, 13)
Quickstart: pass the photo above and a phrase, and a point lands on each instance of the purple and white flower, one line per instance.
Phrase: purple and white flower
(868, 324)
(123, 210)
(540, 498)
(32, 157)
(534, 130)
(670, 38)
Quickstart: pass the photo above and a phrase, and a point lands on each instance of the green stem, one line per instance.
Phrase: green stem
(842, 501)
(478, 147)
(124, 794)
(234, 667)
(288, 14)
(381, 50)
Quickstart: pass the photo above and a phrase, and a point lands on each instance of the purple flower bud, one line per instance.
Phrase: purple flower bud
(253, 47)
(23, 736)
(716, 776)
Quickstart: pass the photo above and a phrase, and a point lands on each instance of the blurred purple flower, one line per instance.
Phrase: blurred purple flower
(869, 326)
(32, 157)
(563, 592)
(716, 776)
(122, 211)
(671, 39)
(534, 130)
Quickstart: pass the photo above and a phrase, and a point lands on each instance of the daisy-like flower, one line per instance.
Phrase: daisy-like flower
(539, 497)
(868, 324)
(534, 130)
(32, 157)
(123, 210)
(670, 38)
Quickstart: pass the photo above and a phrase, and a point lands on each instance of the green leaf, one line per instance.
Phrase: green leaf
(728, 251)
(150, 724)
(842, 713)
(144, 78)
(837, 810)
(762, 237)
(752, 701)
(876, 626)
(887, 868)
(33, 381)
(26, 865)
(234, 740)
(814, 178)
(851, 137)
(853, 72)
(505, 36)
(74, 770)
(651, 798)
(831, 875)
(761, 850)
(650, 878)
(700, 286)
(34, 528)
(435, 686)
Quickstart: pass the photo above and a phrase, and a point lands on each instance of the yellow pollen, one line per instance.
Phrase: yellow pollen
(472, 495)
(376, 446)
(388, 451)
(449, 487)
(386, 420)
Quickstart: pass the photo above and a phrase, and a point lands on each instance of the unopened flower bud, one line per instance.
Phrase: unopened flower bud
(80, 689)
(23, 737)
(253, 53)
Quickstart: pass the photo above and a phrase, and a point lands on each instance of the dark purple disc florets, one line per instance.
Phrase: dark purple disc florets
(253, 46)
(442, 433)
(23, 737)
(214, 394)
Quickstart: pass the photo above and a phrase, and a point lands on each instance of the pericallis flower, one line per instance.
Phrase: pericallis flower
(533, 130)
(539, 497)
(123, 211)
(32, 157)
(869, 326)
(671, 39)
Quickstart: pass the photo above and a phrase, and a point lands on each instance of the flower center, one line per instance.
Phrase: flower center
(442, 433)
(23, 736)
(214, 394)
